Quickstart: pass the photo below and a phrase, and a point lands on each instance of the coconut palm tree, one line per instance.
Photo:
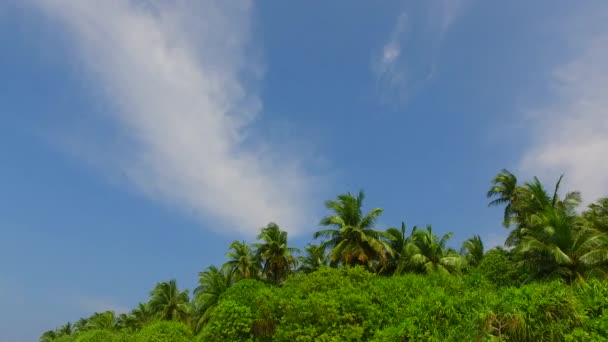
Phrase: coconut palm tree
(66, 329)
(81, 324)
(352, 238)
(473, 250)
(49, 336)
(126, 322)
(397, 243)
(168, 302)
(427, 253)
(596, 216)
(557, 243)
(504, 190)
(102, 321)
(213, 282)
(242, 262)
(141, 315)
(276, 256)
(314, 258)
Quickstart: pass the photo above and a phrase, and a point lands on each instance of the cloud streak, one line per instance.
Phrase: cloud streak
(399, 67)
(179, 75)
(571, 133)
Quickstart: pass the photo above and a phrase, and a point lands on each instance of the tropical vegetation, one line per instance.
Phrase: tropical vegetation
(357, 282)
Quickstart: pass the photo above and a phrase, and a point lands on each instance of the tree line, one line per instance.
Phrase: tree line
(551, 243)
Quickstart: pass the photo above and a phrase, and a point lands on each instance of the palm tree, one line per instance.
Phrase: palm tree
(141, 315)
(213, 282)
(126, 322)
(81, 324)
(427, 253)
(504, 189)
(276, 256)
(102, 321)
(596, 216)
(242, 261)
(557, 243)
(167, 302)
(66, 329)
(314, 258)
(397, 243)
(473, 250)
(352, 238)
(49, 336)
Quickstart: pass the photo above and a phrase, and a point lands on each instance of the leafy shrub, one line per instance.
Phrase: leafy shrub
(500, 269)
(164, 331)
(230, 322)
(97, 336)
(65, 338)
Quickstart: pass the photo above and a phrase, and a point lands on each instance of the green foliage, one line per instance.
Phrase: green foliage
(364, 284)
(230, 322)
(499, 268)
(164, 332)
(65, 338)
(427, 253)
(168, 302)
(277, 257)
(328, 305)
(98, 335)
(352, 236)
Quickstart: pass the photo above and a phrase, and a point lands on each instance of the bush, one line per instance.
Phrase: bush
(230, 322)
(500, 269)
(98, 336)
(165, 331)
(65, 338)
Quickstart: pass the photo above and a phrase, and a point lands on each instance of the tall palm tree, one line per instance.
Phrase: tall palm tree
(66, 329)
(398, 242)
(352, 238)
(242, 261)
(427, 253)
(556, 242)
(102, 321)
(473, 250)
(81, 324)
(168, 302)
(49, 336)
(596, 216)
(504, 190)
(314, 258)
(277, 257)
(142, 315)
(213, 282)
(126, 322)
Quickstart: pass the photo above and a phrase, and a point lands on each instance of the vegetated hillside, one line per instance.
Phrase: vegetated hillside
(359, 283)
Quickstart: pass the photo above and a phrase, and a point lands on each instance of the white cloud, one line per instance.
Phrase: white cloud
(571, 133)
(407, 61)
(175, 71)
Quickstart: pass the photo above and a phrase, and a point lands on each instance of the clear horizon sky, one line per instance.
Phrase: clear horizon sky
(138, 138)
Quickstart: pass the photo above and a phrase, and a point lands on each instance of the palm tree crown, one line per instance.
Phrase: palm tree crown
(556, 242)
(168, 302)
(473, 250)
(352, 238)
(427, 253)
(277, 257)
(242, 261)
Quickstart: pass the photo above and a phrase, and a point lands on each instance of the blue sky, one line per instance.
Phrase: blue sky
(138, 138)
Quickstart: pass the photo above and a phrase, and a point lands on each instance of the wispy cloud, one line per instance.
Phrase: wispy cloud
(571, 133)
(407, 61)
(179, 75)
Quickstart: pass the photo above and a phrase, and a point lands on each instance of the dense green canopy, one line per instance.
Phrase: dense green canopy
(358, 282)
